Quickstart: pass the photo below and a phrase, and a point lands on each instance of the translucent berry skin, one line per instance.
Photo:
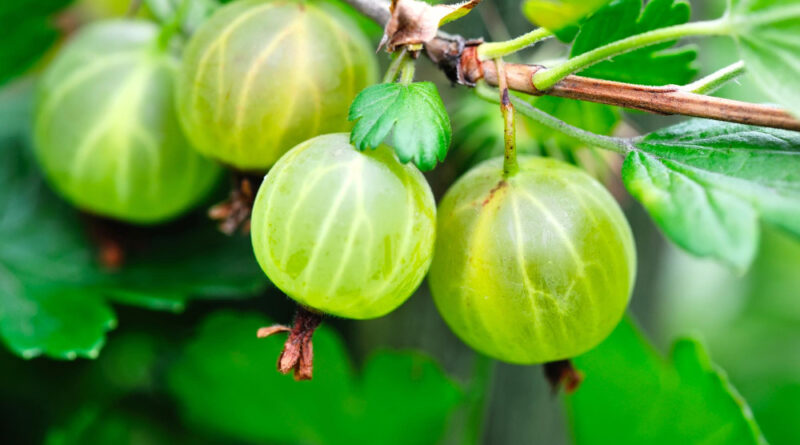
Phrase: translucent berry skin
(106, 131)
(344, 232)
(535, 268)
(260, 77)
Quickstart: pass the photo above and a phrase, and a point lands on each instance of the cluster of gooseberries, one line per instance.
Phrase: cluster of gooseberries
(530, 266)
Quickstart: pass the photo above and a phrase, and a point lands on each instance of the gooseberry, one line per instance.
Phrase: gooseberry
(344, 232)
(106, 131)
(532, 268)
(262, 76)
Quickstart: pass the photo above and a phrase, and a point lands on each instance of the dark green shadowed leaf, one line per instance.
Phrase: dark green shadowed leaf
(768, 34)
(654, 65)
(49, 301)
(632, 396)
(411, 118)
(707, 183)
(226, 382)
(561, 16)
(169, 266)
(28, 31)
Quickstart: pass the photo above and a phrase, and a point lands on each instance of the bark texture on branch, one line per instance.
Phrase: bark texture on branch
(458, 58)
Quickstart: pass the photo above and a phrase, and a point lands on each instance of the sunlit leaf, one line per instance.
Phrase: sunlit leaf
(633, 396)
(707, 184)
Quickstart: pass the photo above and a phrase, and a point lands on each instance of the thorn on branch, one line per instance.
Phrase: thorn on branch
(563, 373)
(298, 351)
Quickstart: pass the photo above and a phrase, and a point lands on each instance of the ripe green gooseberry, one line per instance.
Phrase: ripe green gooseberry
(533, 268)
(344, 232)
(259, 77)
(106, 132)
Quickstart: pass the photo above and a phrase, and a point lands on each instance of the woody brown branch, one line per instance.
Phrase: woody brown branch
(459, 60)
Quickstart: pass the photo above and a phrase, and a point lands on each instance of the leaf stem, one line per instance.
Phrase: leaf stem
(510, 164)
(716, 80)
(617, 145)
(545, 79)
(394, 67)
(493, 50)
(407, 74)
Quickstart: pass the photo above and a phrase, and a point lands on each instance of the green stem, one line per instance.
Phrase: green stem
(407, 74)
(716, 80)
(545, 79)
(169, 30)
(394, 67)
(510, 164)
(617, 145)
(493, 50)
(478, 395)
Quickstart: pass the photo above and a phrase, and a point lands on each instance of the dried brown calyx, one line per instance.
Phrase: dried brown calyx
(414, 22)
(563, 373)
(234, 213)
(298, 351)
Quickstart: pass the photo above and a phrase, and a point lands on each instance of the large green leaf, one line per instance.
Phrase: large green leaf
(49, 302)
(768, 33)
(226, 382)
(707, 184)
(632, 396)
(560, 16)
(410, 118)
(653, 65)
(28, 32)
(750, 322)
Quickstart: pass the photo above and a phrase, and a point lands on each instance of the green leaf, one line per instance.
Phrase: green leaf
(653, 65)
(413, 115)
(49, 303)
(707, 183)
(560, 16)
(632, 396)
(226, 382)
(28, 32)
(767, 34)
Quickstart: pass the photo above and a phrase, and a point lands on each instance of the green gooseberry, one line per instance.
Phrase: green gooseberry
(259, 77)
(106, 131)
(532, 268)
(344, 232)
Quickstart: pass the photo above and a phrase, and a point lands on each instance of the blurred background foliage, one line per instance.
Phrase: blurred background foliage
(173, 330)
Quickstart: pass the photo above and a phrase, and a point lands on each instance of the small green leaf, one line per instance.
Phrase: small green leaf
(561, 16)
(226, 382)
(707, 183)
(632, 396)
(653, 65)
(28, 32)
(413, 115)
(767, 33)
